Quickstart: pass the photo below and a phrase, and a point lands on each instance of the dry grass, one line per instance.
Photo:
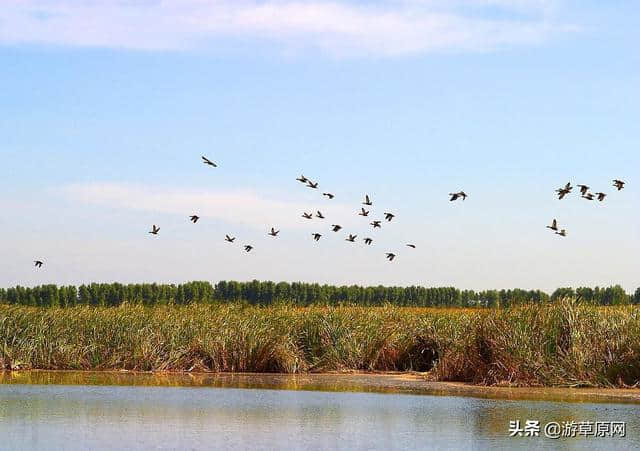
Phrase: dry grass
(557, 344)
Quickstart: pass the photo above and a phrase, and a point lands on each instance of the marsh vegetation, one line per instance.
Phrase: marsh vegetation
(563, 343)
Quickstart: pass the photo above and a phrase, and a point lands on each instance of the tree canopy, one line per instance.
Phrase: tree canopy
(297, 293)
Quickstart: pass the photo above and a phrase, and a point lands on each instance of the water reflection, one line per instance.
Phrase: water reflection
(368, 383)
(145, 417)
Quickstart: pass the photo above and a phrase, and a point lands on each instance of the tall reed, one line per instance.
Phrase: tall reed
(563, 343)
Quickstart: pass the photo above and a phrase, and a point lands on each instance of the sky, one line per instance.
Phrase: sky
(107, 106)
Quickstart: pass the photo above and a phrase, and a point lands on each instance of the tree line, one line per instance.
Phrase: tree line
(297, 293)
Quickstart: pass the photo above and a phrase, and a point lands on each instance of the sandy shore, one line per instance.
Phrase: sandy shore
(410, 383)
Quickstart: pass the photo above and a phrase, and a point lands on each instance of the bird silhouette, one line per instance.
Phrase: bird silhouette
(459, 194)
(351, 238)
(463, 195)
(335, 227)
(583, 189)
(454, 196)
(587, 196)
(329, 195)
(307, 215)
(319, 215)
(310, 184)
(194, 218)
(601, 196)
(316, 236)
(390, 256)
(618, 184)
(564, 190)
(389, 216)
(562, 232)
(248, 247)
(363, 212)
(274, 232)
(553, 226)
(566, 187)
(205, 160)
(412, 246)
(368, 241)
(376, 224)
(37, 263)
(229, 239)
(154, 230)
(367, 201)
(302, 179)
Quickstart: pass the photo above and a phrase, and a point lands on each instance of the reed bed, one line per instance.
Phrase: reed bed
(558, 344)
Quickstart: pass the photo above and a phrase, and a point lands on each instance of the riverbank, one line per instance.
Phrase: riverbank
(392, 383)
(559, 344)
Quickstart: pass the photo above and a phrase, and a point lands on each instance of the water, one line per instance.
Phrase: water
(80, 417)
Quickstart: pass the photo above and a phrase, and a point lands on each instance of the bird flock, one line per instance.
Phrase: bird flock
(316, 236)
(561, 192)
(364, 212)
(565, 190)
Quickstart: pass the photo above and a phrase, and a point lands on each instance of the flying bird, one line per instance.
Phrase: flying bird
(310, 184)
(376, 224)
(302, 179)
(37, 263)
(351, 238)
(566, 187)
(389, 216)
(154, 230)
(336, 227)
(274, 232)
(564, 190)
(583, 189)
(412, 246)
(368, 241)
(601, 196)
(390, 256)
(553, 226)
(205, 160)
(367, 201)
(248, 247)
(587, 196)
(194, 218)
(329, 195)
(363, 212)
(319, 215)
(316, 236)
(618, 184)
(229, 239)
(307, 215)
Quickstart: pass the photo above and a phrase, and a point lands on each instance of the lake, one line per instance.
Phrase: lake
(97, 411)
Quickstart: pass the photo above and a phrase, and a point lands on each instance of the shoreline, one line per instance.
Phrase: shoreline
(354, 382)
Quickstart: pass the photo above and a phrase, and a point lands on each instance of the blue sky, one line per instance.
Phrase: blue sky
(107, 107)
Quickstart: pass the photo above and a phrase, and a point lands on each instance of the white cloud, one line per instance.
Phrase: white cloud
(239, 207)
(385, 27)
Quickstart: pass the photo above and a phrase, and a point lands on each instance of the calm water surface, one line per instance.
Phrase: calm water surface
(80, 417)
